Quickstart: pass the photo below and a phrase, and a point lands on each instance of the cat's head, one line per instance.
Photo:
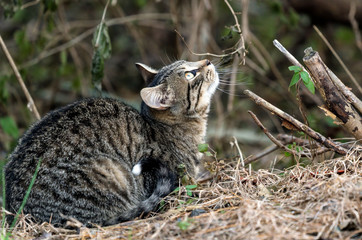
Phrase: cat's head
(181, 89)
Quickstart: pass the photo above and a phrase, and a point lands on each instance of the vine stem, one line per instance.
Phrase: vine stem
(31, 104)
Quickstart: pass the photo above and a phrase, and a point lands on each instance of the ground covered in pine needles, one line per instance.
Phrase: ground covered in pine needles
(320, 201)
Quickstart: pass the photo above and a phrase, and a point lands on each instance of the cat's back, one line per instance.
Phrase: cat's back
(87, 150)
(84, 126)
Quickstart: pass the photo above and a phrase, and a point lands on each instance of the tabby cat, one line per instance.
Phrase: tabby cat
(103, 162)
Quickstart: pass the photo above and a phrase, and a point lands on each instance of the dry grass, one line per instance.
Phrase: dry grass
(320, 201)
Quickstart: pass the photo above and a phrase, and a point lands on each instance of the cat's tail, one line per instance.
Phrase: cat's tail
(165, 184)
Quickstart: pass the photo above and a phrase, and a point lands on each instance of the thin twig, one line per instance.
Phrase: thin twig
(261, 154)
(354, 23)
(236, 60)
(207, 54)
(270, 136)
(101, 25)
(338, 59)
(241, 158)
(242, 42)
(297, 124)
(31, 104)
(87, 33)
(290, 57)
(29, 4)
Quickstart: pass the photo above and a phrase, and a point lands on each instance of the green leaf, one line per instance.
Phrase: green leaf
(287, 154)
(299, 149)
(310, 86)
(97, 70)
(9, 126)
(295, 69)
(209, 154)
(189, 193)
(305, 77)
(295, 79)
(176, 189)
(203, 147)
(191, 187)
(102, 41)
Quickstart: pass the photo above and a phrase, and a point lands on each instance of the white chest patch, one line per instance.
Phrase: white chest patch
(136, 170)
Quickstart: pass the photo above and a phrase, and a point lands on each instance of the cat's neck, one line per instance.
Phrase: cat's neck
(192, 128)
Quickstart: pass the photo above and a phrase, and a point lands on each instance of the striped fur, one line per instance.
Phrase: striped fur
(89, 148)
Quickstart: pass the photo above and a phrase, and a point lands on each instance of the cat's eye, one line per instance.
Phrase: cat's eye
(190, 74)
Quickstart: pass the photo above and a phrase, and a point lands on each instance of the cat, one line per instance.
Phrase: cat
(103, 162)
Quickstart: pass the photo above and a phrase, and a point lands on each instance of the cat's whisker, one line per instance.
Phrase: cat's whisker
(229, 93)
(232, 84)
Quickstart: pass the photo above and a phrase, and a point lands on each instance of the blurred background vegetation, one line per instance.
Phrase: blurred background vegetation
(51, 43)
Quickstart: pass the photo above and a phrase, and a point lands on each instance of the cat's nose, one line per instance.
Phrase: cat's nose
(205, 62)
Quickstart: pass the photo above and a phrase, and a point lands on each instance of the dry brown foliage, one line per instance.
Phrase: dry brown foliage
(320, 201)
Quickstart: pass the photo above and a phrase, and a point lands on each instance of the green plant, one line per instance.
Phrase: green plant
(299, 73)
(102, 50)
(293, 147)
(204, 148)
(188, 189)
(24, 199)
(185, 224)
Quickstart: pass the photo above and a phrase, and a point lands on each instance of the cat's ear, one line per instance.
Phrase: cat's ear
(156, 97)
(147, 72)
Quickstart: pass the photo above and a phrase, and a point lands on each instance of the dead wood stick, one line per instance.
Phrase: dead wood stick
(31, 104)
(335, 100)
(297, 124)
(355, 101)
